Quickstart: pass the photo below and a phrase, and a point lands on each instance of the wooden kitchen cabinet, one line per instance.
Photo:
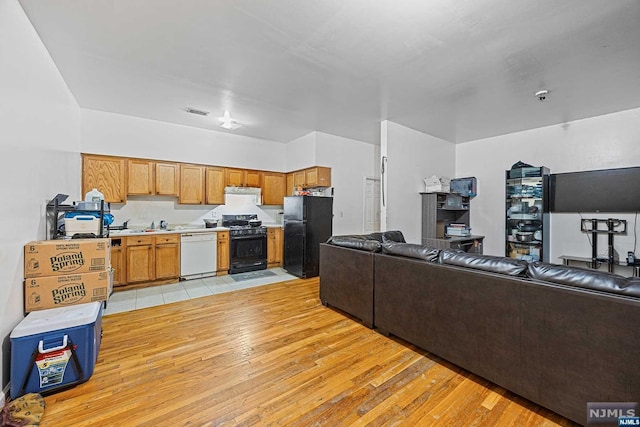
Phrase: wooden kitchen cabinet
(242, 178)
(273, 188)
(167, 256)
(222, 261)
(289, 186)
(167, 178)
(214, 186)
(299, 179)
(118, 263)
(140, 259)
(253, 178)
(146, 177)
(274, 246)
(191, 184)
(317, 176)
(107, 174)
(140, 177)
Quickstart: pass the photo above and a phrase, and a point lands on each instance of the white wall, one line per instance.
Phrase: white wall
(301, 153)
(412, 156)
(40, 140)
(609, 141)
(351, 161)
(120, 135)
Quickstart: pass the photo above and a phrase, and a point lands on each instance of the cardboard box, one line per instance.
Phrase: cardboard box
(436, 184)
(60, 291)
(58, 257)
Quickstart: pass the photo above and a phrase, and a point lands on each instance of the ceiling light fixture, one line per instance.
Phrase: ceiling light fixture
(229, 123)
(542, 94)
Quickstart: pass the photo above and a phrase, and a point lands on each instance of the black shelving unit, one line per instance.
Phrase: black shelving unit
(56, 210)
(439, 210)
(527, 213)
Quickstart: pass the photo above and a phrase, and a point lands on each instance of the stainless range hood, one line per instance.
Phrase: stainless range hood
(238, 196)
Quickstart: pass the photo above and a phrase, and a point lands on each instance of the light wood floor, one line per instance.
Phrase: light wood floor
(273, 355)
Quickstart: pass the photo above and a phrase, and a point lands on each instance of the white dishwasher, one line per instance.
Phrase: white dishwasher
(197, 255)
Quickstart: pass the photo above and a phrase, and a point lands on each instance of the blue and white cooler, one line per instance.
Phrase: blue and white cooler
(55, 348)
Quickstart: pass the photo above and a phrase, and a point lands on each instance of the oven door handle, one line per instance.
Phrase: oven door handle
(253, 236)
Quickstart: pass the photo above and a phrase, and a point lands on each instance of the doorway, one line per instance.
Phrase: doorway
(371, 218)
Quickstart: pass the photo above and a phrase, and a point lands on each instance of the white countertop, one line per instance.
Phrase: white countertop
(179, 230)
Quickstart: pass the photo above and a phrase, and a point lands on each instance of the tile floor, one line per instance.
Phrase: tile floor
(135, 299)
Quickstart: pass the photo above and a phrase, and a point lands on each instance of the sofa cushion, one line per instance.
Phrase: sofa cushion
(494, 264)
(584, 278)
(410, 250)
(393, 236)
(359, 242)
(386, 236)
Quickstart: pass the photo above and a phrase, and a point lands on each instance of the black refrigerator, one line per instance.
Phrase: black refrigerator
(307, 223)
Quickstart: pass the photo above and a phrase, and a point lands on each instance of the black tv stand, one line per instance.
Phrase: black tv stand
(614, 226)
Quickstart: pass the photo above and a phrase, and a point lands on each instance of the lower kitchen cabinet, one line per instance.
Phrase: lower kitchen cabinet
(274, 246)
(148, 258)
(118, 261)
(222, 261)
(167, 256)
(140, 259)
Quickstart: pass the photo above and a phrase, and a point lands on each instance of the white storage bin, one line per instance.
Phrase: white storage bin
(82, 224)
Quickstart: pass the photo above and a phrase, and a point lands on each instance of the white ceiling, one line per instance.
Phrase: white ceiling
(459, 70)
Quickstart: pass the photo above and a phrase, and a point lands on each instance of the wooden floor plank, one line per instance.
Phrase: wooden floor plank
(273, 355)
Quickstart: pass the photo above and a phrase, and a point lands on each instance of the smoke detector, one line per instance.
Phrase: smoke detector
(229, 123)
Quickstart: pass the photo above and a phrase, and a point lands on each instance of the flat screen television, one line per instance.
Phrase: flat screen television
(607, 190)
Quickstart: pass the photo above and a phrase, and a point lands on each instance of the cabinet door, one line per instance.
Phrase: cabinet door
(107, 174)
(167, 257)
(167, 175)
(271, 246)
(140, 177)
(318, 177)
(118, 261)
(140, 264)
(223, 251)
(279, 244)
(273, 188)
(234, 177)
(289, 188)
(215, 186)
(274, 247)
(252, 178)
(299, 179)
(191, 184)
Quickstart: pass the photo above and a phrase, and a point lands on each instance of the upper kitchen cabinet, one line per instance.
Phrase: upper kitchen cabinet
(167, 179)
(299, 179)
(273, 188)
(107, 174)
(317, 177)
(140, 177)
(214, 186)
(242, 178)
(146, 177)
(191, 184)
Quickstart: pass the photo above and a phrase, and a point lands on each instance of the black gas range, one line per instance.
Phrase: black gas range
(247, 243)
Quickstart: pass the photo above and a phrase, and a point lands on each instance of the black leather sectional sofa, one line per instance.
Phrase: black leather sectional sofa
(559, 336)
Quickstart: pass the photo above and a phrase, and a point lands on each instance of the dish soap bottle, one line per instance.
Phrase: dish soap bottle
(94, 196)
